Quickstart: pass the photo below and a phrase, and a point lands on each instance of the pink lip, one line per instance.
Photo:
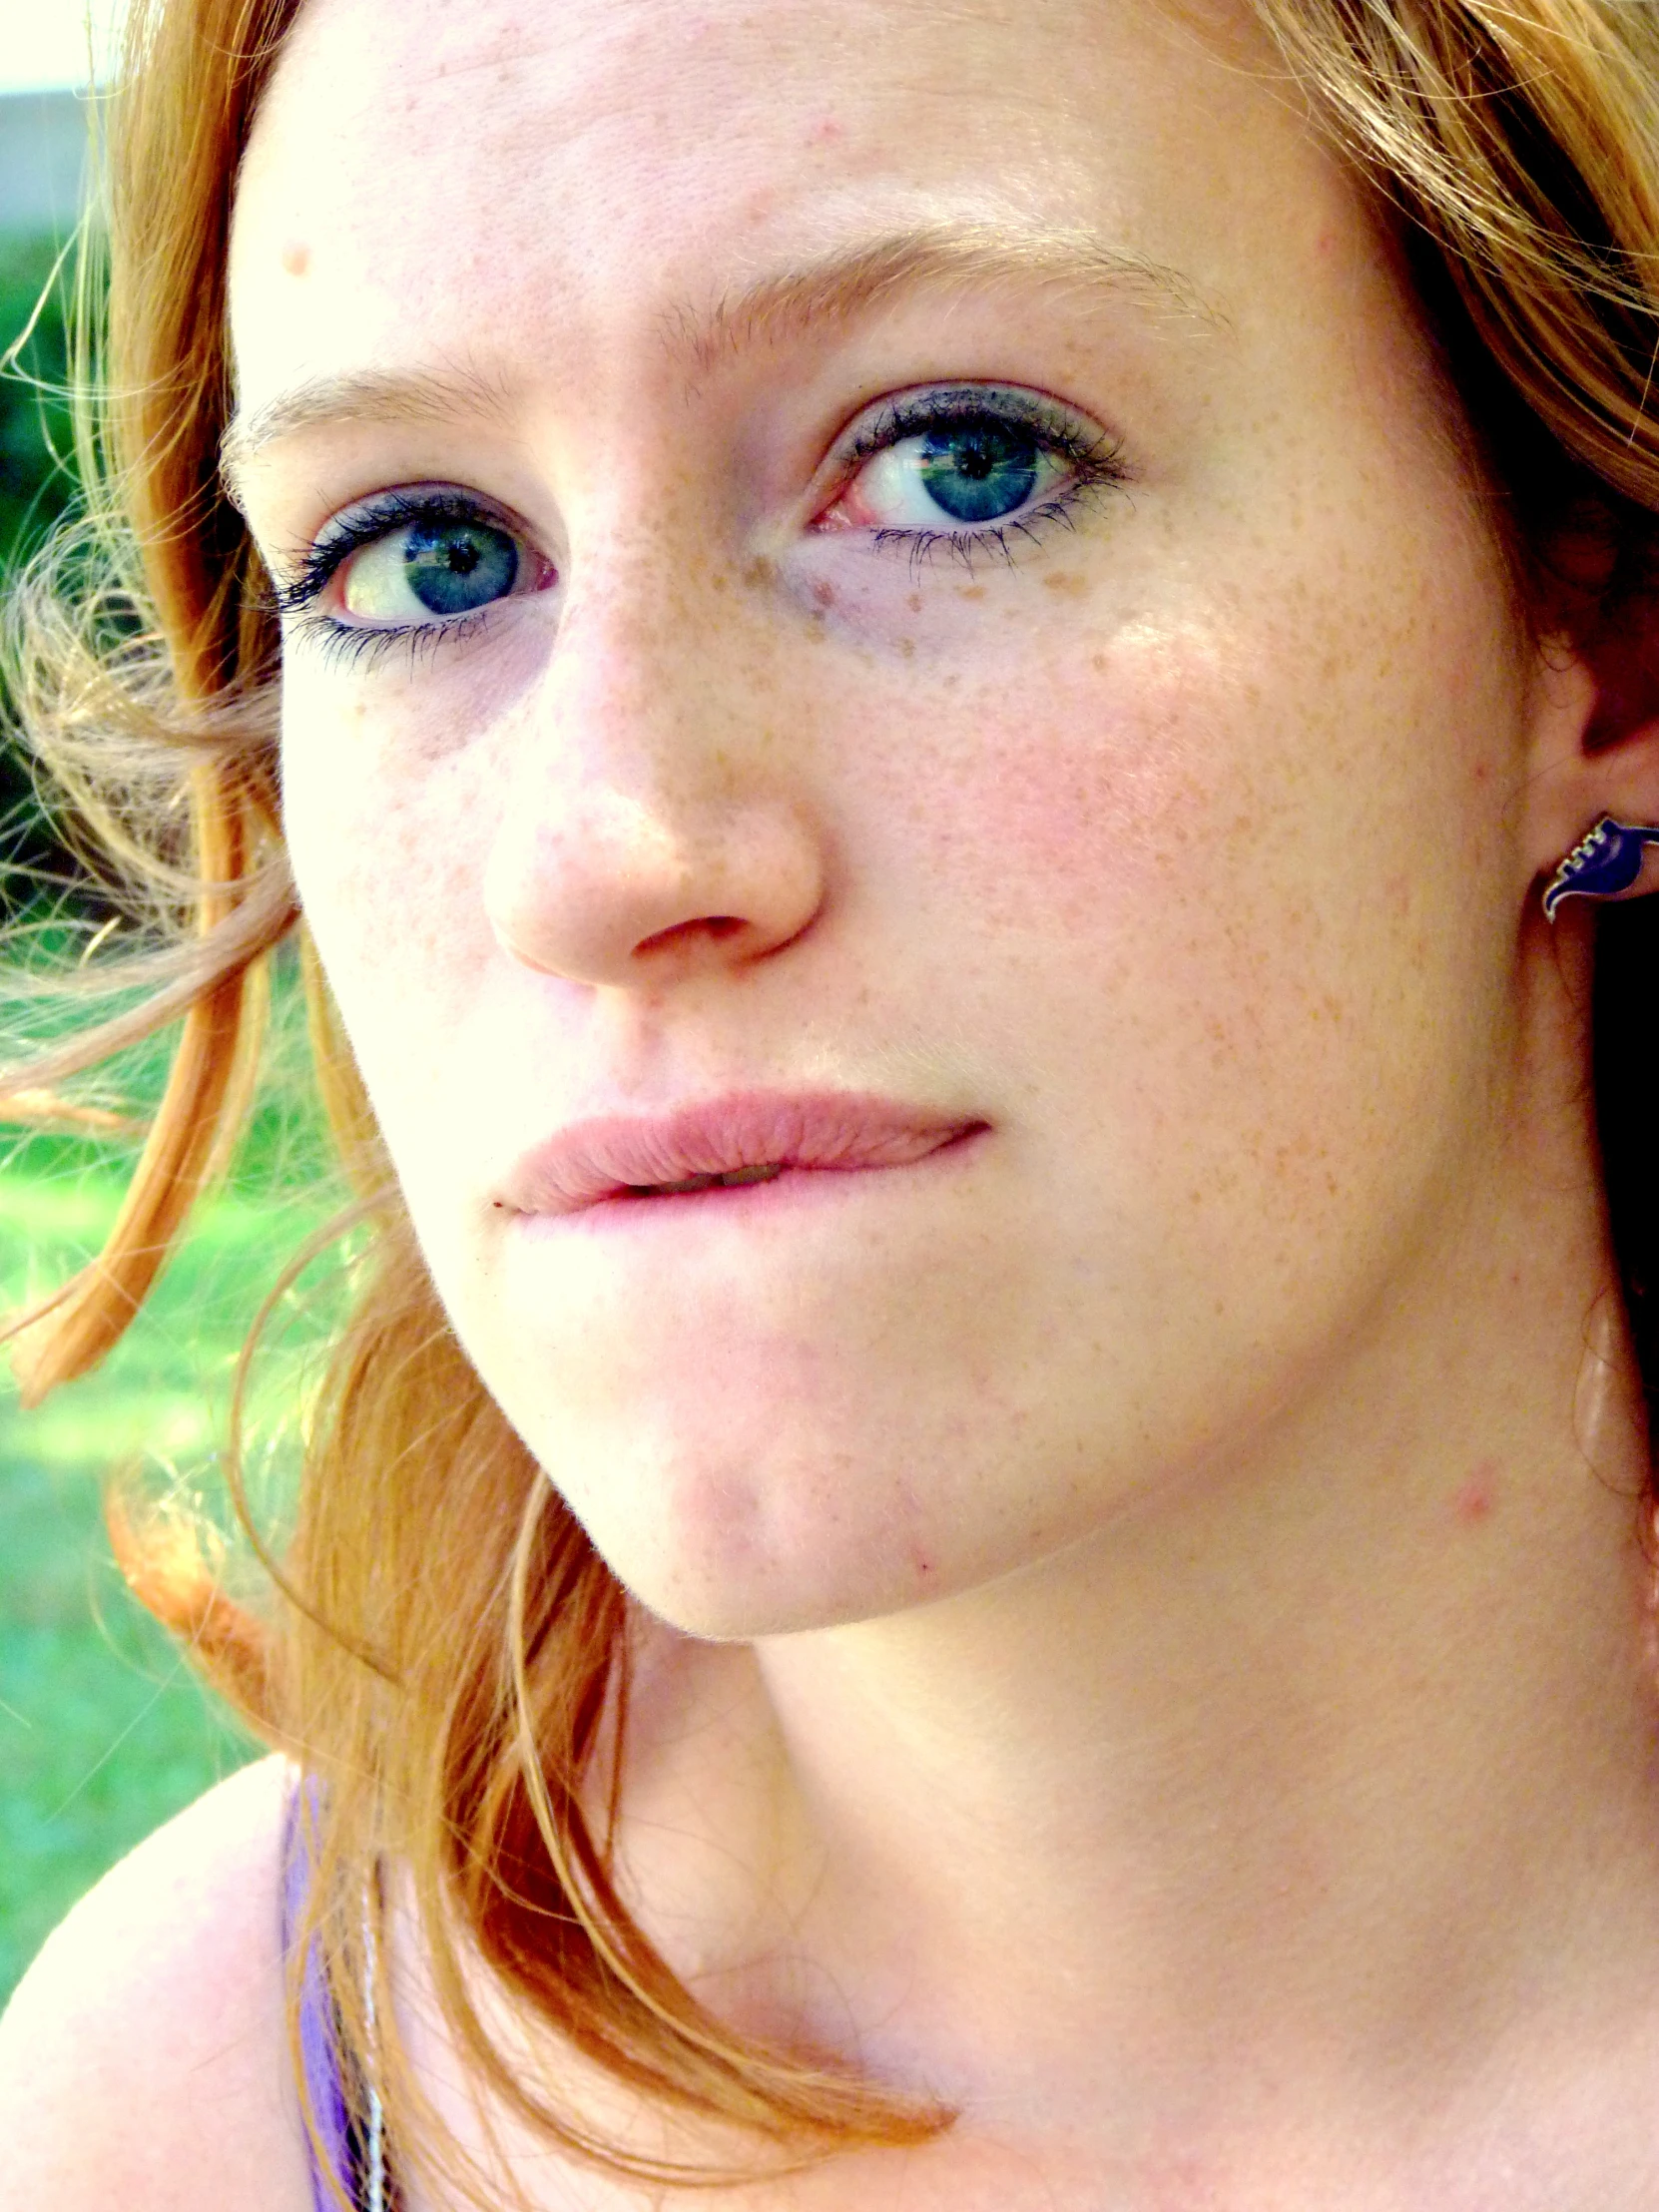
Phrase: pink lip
(624, 1156)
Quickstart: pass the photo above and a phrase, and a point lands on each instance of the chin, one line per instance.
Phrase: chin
(730, 1554)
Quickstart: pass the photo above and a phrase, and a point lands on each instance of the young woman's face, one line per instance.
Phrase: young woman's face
(891, 585)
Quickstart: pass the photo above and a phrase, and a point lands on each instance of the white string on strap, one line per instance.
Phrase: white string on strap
(376, 2146)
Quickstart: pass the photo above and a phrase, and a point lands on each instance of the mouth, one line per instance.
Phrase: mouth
(734, 1178)
(726, 1144)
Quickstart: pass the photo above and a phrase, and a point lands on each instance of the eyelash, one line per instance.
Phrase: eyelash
(1096, 463)
(362, 644)
(1094, 460)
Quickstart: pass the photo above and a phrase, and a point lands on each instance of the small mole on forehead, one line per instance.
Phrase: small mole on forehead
(297, 256)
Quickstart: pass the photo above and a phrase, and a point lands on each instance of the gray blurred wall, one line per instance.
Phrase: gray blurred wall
(43, 144)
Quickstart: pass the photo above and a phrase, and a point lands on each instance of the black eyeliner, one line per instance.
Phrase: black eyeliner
(364, 524)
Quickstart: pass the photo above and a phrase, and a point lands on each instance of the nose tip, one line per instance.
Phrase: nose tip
(615, 892)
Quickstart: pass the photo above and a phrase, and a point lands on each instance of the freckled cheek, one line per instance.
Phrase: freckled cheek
(388, 866)
(1166, 857)
(1067, 805)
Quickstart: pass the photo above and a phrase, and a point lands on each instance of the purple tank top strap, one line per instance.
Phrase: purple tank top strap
(319, 2050)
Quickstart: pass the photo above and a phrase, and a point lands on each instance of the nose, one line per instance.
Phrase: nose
(650, 827)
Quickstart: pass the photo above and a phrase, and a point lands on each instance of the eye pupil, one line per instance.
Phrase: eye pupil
(455, 567)
(980, 471)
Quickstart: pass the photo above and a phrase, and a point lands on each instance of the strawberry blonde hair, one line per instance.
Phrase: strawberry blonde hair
(458, 1725)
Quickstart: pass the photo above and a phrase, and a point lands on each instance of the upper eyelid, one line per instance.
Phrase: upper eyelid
(1096, 450)
(908, 414)
(312, 567)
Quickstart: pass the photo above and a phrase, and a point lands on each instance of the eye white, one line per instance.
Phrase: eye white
(377, 583)
(893, 491)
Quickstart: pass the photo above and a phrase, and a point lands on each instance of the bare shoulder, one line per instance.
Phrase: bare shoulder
(144, 2058)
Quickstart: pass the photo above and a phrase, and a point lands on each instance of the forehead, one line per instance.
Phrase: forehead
(560, 175)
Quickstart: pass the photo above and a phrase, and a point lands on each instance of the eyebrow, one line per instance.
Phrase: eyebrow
(834, 291)
(361, 395)
(957, 256)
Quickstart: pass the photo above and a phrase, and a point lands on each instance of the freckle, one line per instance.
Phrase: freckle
(1066, 580)
(716, 582)
(907, 646)
(824, 593)
(913, 602)
(1476, 1498)
(970, 591)
(1097, 660)
(759, 572)
(297, 256)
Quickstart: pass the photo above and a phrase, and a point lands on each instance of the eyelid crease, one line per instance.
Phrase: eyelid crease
(370, 519)
(1095, 458)
(931, 406)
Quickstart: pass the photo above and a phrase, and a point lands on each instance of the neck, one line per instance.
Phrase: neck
(1292, 1775)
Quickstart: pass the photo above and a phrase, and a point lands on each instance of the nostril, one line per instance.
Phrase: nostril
(714, 927)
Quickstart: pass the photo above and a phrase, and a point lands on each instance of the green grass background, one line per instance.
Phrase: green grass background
(103, 1732)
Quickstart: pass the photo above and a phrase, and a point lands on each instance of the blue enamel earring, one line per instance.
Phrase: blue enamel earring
(1604, 862)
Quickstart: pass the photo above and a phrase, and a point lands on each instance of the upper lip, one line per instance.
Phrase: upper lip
(613, 1156)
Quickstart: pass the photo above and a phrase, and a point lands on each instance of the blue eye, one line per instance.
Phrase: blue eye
(412, 563)
(980, 471)
(437, 565)
(968, 467)
(454, 567)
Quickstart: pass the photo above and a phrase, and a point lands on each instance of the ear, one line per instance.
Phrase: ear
(1593, 738)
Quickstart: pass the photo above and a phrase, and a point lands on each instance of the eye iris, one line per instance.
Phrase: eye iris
(455, 567)
(980, 471)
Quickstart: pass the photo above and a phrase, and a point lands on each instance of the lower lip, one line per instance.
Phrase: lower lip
(795, 1187)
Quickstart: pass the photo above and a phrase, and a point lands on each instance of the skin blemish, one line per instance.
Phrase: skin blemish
(970, 591)
(913, 602)
(1477, 1498)
(824, 593)
(824, 132)
(1065, 580)
(297, 256)
(759, 573)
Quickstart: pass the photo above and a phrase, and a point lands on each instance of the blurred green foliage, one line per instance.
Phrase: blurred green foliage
(104, 1733)
(36, 486)
(34, 418)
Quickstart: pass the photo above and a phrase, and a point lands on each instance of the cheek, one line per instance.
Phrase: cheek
(388, 860)
(1275, 759)
(1224, 891)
